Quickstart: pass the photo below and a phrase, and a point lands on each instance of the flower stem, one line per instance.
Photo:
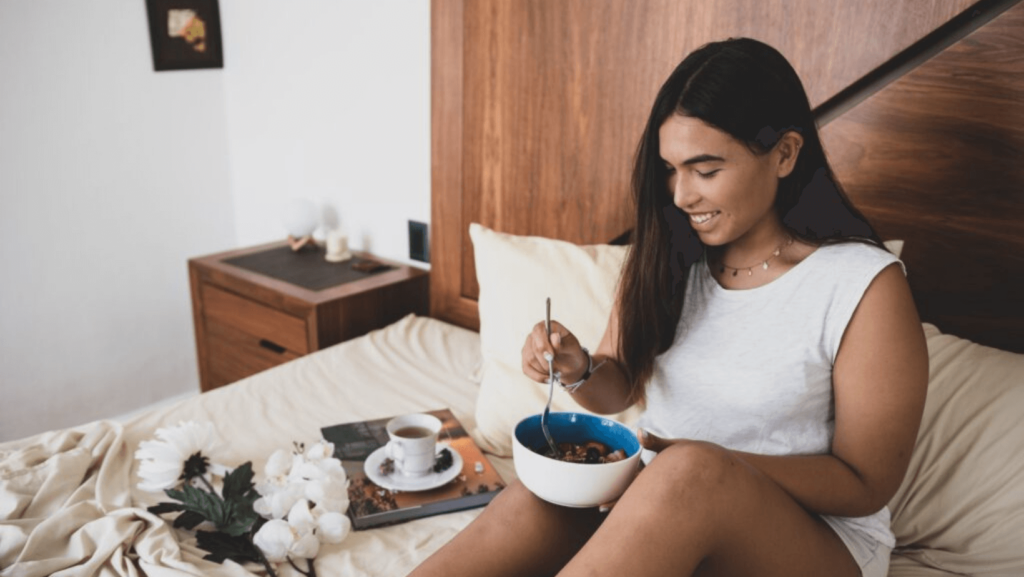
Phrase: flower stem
(207, 483)
(309, 563)
(266, 564)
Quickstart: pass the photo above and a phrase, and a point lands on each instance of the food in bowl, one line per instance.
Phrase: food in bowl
(575, 484)
(593, 452)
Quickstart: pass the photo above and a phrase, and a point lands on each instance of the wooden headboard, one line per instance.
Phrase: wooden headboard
(537, 107)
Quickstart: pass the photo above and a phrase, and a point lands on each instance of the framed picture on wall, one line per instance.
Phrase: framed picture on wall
(185, 34)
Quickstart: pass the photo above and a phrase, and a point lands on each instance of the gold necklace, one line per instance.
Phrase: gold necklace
(763, 264)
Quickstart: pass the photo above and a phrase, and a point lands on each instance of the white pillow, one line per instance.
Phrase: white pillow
(961, 505)
(895, 247)
(516, 274)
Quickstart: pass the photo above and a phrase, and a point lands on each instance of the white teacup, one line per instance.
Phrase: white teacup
(413, 443)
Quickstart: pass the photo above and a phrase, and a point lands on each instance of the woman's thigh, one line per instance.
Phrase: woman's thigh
(699, 509)
(516, 535)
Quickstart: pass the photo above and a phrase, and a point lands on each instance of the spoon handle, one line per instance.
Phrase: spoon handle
(547, 319)
(551, 387)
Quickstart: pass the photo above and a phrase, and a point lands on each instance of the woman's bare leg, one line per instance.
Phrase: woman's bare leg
(700, 509)
(516, 535)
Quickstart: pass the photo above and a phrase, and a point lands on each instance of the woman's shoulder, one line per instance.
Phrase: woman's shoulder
(856, 256)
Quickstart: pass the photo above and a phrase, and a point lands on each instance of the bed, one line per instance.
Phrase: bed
(924, 124)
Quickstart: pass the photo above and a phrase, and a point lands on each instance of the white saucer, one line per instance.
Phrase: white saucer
(399, 482)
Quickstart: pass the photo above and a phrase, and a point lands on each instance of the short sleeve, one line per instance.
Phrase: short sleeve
(857, 266)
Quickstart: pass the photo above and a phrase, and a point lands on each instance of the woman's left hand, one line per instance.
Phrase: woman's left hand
(652, 442)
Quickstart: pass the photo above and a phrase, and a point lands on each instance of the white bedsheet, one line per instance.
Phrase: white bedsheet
(69, 506)
(68, 499)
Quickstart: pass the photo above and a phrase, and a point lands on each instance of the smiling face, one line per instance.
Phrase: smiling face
(727, 189)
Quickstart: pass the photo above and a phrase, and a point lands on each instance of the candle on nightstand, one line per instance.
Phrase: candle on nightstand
(337, 247)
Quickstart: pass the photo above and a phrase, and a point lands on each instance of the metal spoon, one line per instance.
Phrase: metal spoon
(551, 388)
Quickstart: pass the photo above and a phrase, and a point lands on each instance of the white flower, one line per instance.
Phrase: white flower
(320, 451)
(333, 527)
(306, 546)
(295, 473)
(275, 538)
(278, 464)
(278, 539)
(281, 501)
(300, 518)
(331, 466)
(262, 507)
(163, 460)
(330, 494)
(292, 484)
(306, 472)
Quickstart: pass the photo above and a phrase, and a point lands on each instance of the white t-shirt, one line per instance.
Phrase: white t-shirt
(751, 370)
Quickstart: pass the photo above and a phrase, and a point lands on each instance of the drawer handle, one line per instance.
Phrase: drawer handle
(271, 345)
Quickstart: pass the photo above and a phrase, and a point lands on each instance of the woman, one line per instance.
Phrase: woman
(771, 337)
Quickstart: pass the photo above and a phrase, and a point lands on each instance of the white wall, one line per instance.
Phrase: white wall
(113, 175)
(330, 102)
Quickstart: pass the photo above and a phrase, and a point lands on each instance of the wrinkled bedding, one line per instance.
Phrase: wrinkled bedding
(69, 504)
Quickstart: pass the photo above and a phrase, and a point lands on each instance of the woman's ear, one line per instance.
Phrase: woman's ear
(788, 150)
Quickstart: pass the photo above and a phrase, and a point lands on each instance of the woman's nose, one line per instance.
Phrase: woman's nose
(682, 195)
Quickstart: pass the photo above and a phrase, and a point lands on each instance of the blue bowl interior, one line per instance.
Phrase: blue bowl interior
(577, 428)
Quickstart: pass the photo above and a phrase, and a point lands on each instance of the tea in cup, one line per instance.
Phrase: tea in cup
(413, 443)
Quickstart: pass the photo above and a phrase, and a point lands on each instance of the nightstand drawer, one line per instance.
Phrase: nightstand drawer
(255, 308)
(234, 354)
(256, 320)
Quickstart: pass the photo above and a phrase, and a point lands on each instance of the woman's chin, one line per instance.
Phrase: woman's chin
(711, 238)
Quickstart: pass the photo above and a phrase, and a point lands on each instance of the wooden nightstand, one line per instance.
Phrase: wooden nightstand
(258, 307)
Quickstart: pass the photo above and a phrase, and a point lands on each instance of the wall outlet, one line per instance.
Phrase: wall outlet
(419, 241)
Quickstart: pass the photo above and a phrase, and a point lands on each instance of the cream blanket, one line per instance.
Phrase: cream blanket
(69, 503)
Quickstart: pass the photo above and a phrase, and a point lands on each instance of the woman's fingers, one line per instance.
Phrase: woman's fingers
(535, 365)
(561, 350)
(605, 507)
(652, 442)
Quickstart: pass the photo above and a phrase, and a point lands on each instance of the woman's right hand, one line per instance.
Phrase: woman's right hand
(568, 357)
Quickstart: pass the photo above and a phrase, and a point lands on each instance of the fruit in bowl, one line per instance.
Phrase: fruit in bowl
(576, 484)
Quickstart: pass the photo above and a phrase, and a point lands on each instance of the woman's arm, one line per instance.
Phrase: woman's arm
(879, 380)
(607, 391)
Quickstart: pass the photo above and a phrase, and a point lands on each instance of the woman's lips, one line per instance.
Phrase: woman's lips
(703, 217)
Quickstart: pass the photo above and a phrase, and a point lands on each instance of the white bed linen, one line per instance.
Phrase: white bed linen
(68, 503)
(68, 499)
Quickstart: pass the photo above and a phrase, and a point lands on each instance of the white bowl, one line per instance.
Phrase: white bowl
(574, 484)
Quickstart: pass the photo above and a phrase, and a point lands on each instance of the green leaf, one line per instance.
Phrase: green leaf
(175, 494)
(238, 483)
(165, 507)
(241, 519)
(240, 494)
(188, 520)
(221, 546)
(232, 514)
(209, 505)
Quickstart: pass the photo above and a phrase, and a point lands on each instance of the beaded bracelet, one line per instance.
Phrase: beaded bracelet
(571, 388)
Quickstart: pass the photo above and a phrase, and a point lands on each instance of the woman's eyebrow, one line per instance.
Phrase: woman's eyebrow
(702, 158)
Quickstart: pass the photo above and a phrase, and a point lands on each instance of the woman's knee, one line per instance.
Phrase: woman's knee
(692, 471)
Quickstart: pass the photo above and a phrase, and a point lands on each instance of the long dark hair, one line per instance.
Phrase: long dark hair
(748, 90)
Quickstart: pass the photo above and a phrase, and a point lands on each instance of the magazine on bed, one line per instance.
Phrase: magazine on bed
(474, 485)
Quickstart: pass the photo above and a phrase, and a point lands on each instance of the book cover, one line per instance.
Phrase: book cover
(373, 506)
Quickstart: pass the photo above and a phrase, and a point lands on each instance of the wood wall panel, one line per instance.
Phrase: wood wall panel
(538, 105)
(937, 159)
